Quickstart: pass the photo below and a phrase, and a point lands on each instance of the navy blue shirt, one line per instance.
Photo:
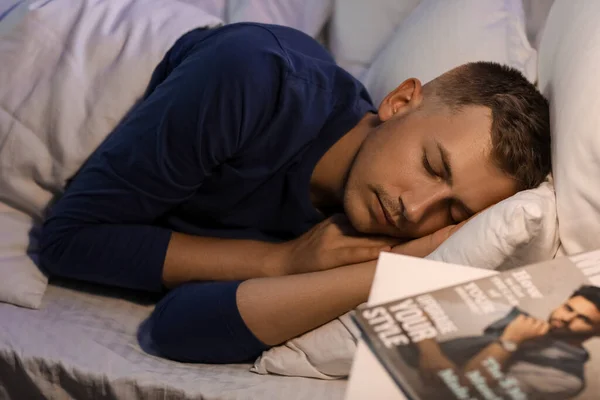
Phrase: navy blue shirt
(223, 144)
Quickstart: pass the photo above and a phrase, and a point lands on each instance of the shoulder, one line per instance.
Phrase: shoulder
(241, 47)
(261, 50)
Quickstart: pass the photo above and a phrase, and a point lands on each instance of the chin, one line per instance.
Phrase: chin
(358, 214)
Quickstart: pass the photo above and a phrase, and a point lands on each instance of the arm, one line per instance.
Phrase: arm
(519, 330)
(225, 322)
(278, 309)
(104, 227)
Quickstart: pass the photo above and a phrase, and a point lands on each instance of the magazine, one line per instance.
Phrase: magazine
(528, 333)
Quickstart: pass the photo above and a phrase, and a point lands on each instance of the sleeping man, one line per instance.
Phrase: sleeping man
(257, 183)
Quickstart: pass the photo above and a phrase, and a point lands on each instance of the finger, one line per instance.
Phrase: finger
(369, 241)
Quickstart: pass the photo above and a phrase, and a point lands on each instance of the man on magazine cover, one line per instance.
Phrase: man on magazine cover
(546, 358)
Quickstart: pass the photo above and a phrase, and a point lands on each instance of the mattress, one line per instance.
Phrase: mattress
(90, 342)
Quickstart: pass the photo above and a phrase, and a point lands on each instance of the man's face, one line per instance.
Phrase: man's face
(420, 171)
(578, 315)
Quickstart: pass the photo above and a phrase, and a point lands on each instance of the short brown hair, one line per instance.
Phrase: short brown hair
(520, 116)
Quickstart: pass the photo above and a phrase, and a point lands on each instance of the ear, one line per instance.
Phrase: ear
(404, 98)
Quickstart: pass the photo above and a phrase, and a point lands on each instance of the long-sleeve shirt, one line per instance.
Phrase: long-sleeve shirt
(223, 144)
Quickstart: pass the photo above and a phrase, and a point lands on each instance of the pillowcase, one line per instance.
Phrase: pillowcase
(440, 35)
(323, 353)
(212, 7)
(70, 72)
(517, 231)
(568, 77)
(520, 230)
(536, 13)
(308, 16)
(359, 30)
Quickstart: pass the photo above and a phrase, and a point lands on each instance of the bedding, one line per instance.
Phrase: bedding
(440, 35)
(568, 76)
(308, 16)
(520, 230)
(21, 281)
(86, 342)
(95, 59)
(358, 30)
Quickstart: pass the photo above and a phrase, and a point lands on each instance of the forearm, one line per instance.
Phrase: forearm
(192, 258)
(146, 257)
(229, 321)
(433, 361)
(495, 351)
(129, 256)
(430, 349)
(279, 308)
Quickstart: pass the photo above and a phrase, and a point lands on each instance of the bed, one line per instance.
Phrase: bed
(89, 342)
(73, 340)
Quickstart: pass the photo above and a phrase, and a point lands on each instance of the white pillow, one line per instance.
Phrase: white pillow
(359, 29)
(520, 230)
(212, 7)
(517, 231)
(323, 353)
(440, 35)
(308, 16)
(536, 13)
(70, 72)
(568, 76)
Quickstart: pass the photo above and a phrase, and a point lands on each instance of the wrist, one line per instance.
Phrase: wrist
(429, 348)
(508, 340)
(365, 278)
(276, 259)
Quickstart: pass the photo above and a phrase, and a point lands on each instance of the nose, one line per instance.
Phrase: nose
(425, 197)
(568, 318)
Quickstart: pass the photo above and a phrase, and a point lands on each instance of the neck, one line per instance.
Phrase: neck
(328, 179)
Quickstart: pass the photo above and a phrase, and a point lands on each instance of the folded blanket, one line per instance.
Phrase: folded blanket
(70, 71)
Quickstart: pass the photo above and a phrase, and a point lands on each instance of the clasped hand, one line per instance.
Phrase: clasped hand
(334, 243)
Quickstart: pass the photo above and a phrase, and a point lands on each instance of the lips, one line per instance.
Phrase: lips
(386, 214)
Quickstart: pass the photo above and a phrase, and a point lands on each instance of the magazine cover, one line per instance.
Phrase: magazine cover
(527, 333)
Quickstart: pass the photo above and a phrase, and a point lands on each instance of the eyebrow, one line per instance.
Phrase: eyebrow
(448, 172)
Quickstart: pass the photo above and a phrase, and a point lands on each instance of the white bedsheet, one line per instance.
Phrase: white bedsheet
(83, 344)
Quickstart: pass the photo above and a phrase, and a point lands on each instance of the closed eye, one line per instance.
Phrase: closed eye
(427, 165)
